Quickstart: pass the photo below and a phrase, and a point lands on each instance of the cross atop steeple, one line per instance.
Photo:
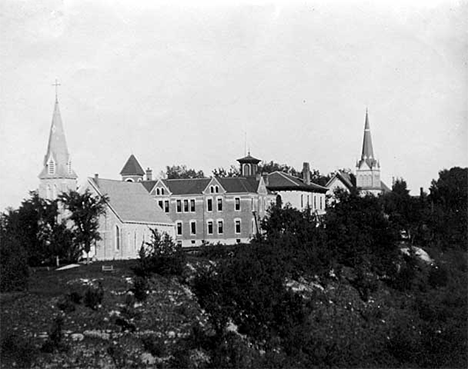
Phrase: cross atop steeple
(56, 84)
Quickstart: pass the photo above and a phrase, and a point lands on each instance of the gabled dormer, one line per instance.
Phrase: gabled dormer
(214, 188)
(160, 189)
(262, 190)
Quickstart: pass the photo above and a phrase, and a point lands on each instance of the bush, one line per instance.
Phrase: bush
(140, 288)
(93, 297)
(54, 341)
(161, 255)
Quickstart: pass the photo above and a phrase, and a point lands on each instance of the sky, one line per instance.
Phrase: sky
(198, 82)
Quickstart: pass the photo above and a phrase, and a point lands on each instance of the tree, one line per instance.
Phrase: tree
(449, 215)
(85, 210)
(40, 229)
(360, 234)
(181, 172)
(270, 167)
(221, 172)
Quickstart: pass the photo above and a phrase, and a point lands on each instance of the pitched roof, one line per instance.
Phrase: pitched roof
(132, 167)
(196, 186)
(239, 184)
(57, 149)
(186, 186)
(345, 178)
(130, 201)
(149, 185)
(279, 181)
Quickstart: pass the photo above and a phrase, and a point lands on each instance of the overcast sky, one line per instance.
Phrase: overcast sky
(178, 83)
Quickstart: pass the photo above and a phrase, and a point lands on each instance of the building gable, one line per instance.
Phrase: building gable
(214, 187)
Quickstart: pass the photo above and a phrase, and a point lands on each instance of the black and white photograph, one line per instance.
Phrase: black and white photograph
(233, 184)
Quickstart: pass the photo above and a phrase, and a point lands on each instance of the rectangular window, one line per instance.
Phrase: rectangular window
(220, 204)
(220, 227)
(210, 227)
(315, 202)
(179, 206)
(321, 203)
(192, 206)
(186, 206)
(237, 203)
(166, 206)
(179, 228)
(238, 226)
(209, 204)
(160, 203)
(193, 227)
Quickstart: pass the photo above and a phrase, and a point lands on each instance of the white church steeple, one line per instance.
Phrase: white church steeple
(57, 174)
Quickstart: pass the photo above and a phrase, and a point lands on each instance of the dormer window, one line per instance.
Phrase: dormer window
(211, 189)
(216, 189)
(162, 191)
(157, 191)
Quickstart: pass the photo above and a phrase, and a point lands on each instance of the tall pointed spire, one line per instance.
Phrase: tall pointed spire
(57, 158)
(367, 148)
(57, 174)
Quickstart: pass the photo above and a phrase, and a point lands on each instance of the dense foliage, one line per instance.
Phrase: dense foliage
(85, 210)
(182, 172)
(40, 232)
(342, 292)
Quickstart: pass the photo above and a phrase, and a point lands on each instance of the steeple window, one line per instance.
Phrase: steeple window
(51, 166)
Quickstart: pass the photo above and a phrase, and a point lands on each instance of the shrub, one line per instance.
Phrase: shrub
(140, 288)
(93, 297)
(54, 341)
(161, 255)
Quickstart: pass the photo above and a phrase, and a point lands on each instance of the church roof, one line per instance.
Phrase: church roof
(280, 181)
(57, 150)
(130, 201)
(132, 167)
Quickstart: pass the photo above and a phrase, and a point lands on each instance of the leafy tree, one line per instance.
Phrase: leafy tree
(181, 172)
(221, 172)
(449, 214)
(360, 234)
(270, 167)
(42, 231)
(85, 210)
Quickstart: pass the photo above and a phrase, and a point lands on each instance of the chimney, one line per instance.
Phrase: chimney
(149, 174)
(96, 179)
(306, 173)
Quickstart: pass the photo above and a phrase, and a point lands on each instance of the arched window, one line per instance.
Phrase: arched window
(279, 201)
(157, 191)
(129, 180)
(117, 237)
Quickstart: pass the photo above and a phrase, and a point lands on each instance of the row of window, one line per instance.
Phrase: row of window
(315, 202)
(188, 206)
(210, 224)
